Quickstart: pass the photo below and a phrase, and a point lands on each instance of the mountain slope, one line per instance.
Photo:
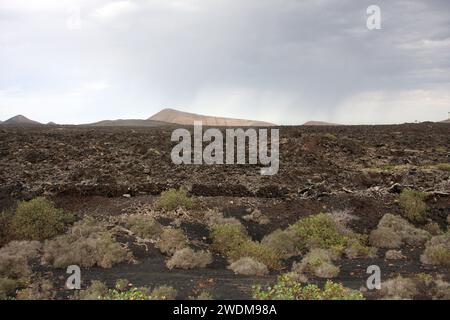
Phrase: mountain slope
(20, 120)
(128, 123)
(320, 123)
(187, 118)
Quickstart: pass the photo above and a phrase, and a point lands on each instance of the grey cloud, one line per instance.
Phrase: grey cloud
(284, 60)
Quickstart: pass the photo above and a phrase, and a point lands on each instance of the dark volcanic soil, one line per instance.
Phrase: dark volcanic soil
(359, 169)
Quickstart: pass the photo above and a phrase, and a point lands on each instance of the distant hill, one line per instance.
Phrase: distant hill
(128, 123)
(20, 121)
(187, 118)
(320, 123)
(446, 121)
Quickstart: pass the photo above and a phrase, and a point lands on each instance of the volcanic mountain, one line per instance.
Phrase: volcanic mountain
(320, 123)
(187, 118)
(129, 123)
(20, 121)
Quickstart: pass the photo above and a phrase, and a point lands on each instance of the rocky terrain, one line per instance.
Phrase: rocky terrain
(111, 172)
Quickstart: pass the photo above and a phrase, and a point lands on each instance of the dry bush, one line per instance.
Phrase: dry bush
(213, 217)
(164, 293)
(38, 219)
(437, 251)
(249, 267)
(188, 259)
(40, 289)
(257, 216)
(318, 262)
(171, 240)
(385, 238)
(88, 243)
(8, 288)
(355, 249)
(204, 295)
(283, 242)
(413, 204)
(144, 226)
(398, 288)
(342, 219)
(95, 291)
(433, 228)
(232, 241)
(394, 255)
(393, 231)
(15, 258)
(173, 199)
(227, 237)
(5, 226)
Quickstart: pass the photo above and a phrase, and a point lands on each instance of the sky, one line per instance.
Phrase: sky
(283, 61)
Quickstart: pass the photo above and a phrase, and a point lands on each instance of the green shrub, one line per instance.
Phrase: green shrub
(144, 226)
(38, 219)
(130, 294)
(232, 241)
(443, 166)
(88, 243)
(321, 231)
(413, 205)
(173, 199)
(227, 237)
(288, 288)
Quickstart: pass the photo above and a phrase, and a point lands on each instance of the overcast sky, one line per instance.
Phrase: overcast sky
(285, 61)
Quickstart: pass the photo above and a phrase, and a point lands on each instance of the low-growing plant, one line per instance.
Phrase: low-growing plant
(249, 267)
(355, 249)
(171, 240)
(8, 288)
(321, 231)
(5, 226)
(318, 262)
(394, 255)
(288, 288)
(39, 289)
(88, 243)
(214, 217)
(188, 259)
(413, 204)
(437, 251)
(433, 228)
(283, 241)
(398, 288)
(164, 293)
(173, 199)
(443, 166)
(394, 231)
(144, 226)
(15, 258)
(38, 219)
(95, 291)
(232, 241)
